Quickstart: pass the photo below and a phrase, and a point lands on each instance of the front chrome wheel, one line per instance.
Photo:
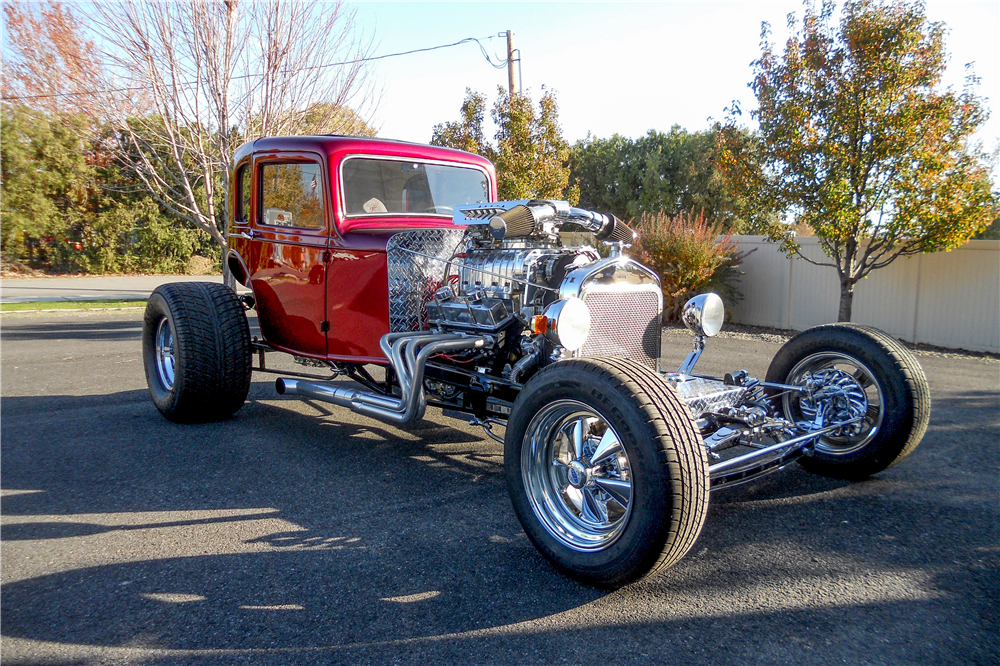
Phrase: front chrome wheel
(577, 475)
(606, 471)
(164, 351)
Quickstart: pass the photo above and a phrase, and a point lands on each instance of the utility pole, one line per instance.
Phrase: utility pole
(510, 63)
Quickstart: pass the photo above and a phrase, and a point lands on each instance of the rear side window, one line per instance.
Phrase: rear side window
(243, 193)
(291, 195)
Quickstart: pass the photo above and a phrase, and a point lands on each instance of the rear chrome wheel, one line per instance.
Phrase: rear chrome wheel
(165, 361)
(577, 475)
(854, 371)
(849, 390)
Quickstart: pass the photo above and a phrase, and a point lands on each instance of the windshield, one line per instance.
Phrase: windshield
(393, 187)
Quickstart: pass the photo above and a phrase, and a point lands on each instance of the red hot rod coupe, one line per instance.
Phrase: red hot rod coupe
(393, 265)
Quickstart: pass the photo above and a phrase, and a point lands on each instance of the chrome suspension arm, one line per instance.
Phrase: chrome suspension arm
(788, 446)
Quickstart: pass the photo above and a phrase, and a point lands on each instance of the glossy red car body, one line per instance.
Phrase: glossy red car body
(322, 292)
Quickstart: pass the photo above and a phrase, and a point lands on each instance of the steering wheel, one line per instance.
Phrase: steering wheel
(440, 209)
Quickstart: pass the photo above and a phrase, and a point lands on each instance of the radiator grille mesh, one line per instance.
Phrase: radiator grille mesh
(624, 323)
(413, 279)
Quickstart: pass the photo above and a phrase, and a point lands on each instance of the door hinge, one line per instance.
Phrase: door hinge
(326, 256)
(324, 326)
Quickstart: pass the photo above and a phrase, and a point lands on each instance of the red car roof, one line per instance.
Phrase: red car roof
(333, 144)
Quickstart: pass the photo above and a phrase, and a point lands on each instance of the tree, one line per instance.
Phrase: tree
(187, 82)
(467, 133)
(860, 141)
(670, 172)
(49, 65)
(65, 211)
(530, 153)
(990, 232)
(326, 118)
(43, 179)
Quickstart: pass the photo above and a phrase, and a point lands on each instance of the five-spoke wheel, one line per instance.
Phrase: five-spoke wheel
(605, 469)
(577, 475)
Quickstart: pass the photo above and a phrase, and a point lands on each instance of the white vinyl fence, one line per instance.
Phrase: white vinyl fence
(950, 299)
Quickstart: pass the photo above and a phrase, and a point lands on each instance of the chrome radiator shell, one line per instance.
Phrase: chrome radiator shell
(625, 304)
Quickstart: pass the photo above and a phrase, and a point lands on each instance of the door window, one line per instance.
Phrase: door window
(292, 195)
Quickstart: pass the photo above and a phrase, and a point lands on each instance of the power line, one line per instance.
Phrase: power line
(477, 40)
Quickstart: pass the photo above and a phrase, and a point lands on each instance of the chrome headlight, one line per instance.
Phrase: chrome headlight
(568, 323)
(704, 314)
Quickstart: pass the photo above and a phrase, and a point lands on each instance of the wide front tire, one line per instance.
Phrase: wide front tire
(605, 470)
(886, 379)
(196, 351)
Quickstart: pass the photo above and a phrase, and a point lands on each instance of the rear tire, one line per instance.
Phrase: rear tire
(899, 398)
(196, 351)
(605, 470)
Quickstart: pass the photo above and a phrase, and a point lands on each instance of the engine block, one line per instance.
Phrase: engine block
(460, 281)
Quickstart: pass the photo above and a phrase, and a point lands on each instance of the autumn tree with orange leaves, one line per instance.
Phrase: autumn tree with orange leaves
(50, 66)
(859, 141)
(171, 89)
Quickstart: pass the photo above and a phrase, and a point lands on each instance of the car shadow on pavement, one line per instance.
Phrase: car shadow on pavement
(298, 533)
(301, 598)
(342, 531)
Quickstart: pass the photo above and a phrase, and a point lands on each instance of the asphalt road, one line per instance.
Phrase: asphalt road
(298, 533)
(89, 288)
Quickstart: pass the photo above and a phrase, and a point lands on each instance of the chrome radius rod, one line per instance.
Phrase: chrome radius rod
(408, 354)
(795, 442)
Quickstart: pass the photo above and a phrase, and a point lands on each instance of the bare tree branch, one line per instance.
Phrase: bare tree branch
(216, 74)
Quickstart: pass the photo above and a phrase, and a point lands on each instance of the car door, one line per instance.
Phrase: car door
(289, 232)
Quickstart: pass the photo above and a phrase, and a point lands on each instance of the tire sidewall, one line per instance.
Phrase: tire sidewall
(642, 540)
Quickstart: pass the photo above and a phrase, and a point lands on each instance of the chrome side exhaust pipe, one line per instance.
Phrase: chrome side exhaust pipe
(402, 351)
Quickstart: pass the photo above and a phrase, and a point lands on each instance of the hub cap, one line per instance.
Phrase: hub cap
(577, 475)
(844, 388)
(165, 361)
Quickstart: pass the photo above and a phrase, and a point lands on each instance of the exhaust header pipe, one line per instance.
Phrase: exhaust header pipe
(409, 366)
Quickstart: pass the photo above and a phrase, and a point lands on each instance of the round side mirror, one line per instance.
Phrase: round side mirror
(704, 314)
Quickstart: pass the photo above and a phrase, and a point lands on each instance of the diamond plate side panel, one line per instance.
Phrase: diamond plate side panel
(705, 395)
(414, 278)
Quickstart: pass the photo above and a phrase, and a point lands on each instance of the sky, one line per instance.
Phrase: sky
(616, 67)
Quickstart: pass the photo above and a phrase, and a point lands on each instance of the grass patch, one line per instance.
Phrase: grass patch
(71, 305)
